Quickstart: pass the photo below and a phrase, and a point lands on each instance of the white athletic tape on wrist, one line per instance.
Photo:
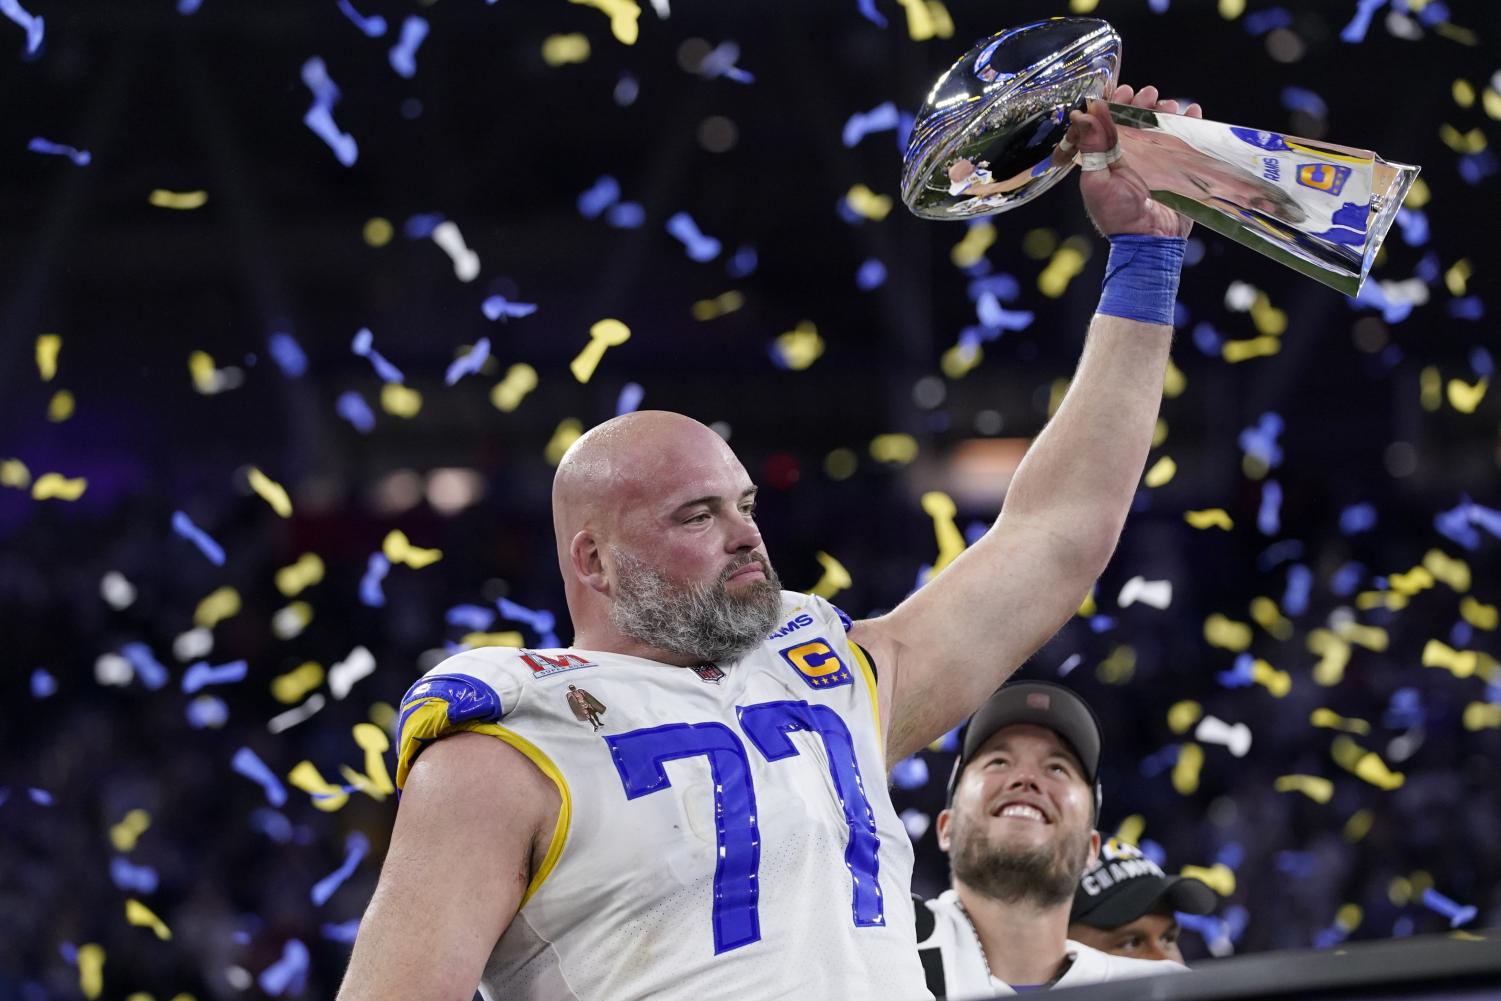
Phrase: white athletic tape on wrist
(1100, 161)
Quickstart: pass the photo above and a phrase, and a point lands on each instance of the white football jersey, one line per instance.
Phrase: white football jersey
(725, 831)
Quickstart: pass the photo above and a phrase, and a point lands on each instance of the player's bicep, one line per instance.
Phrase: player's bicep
(458, 865)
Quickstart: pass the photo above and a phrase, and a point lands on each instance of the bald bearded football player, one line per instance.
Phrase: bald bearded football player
(690, 802)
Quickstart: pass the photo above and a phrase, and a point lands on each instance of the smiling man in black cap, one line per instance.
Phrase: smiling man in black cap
(1020, 833)
(1125, 905)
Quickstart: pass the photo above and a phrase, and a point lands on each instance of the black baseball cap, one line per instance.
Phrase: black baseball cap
(1042, 703)
(1124, 884)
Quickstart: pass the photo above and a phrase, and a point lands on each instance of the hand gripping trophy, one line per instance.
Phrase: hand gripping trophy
(991, 136)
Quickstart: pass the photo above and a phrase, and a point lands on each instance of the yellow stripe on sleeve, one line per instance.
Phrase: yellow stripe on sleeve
(869, 674)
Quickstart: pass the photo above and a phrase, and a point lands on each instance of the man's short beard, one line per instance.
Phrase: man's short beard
(702, 621)
(1044, 876)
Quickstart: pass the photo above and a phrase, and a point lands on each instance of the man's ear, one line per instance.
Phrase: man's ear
(1094, 849)
(588, 563)
(945, 819)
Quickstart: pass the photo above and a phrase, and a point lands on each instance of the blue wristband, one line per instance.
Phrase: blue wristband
(1141, 278)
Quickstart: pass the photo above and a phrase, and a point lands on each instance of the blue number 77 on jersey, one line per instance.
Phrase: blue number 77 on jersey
(639, 757)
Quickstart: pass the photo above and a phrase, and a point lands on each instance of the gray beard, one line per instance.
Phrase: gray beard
(700, 621)
(1044, 877)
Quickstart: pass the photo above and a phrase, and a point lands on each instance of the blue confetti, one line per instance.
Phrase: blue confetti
(80, 157)
(1403, 926)
(468, 363)
(1432, 13)
(1278, 552)
(743, 263)
(202, 674)
(152, 674)
(320, 114)
(371, 27)
(1207, 339)
(1214, 931)
(910, 773)
(1180, 314)
(846, 213)
(363, 345)
(627, 89)
(1414, 226)
(207, 711)
(991, 314)
(1481, 363)
(1153, 851)
(289, 973)
(133, 878)
(1372, 296)
(352, 407)
(1158, 6)
(69, 953)
(1299, 586)
(1269, 516)
(1346, 579)
(974, 531)
(186, 7)
(872, 275)
(1241, 675)
(629, 400)
(1304, 100)
(863, 123)
(30, 23)
(183, 526)
(1260, 22)
(1194, 252)
(1404, 710)
(247, 763)
(1159, 761)
(700, 248)
(475, 618)
(1260, 440)
(344, 931)
(599, 196)
(421, 225)
(375, 572)
(43, 684)
(355, 847)
(1357, 518)
(1101, 623)
(1468, 308)
(869, 12)
(721, 63)
(1457, 914)
(1231, 855)
(272, 824)
(403, 55)
(1297, 865)
(1003, 286)
(498, 307)
(1460, 634)
(1361, 22)
(287, 354)
(904, 130)
(1476, 167)
(626, 215)
(1428, 268)
(542, 621)
(40, 797)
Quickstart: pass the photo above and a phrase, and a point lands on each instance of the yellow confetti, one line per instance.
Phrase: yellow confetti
(1460, 663)
(624, 18)
(1419, 195)
(1431, 388)
(1231, 9)
(60, 407)
(561, 50)
(1226, 633)
(399, 550)
(1472, 141)
(1465, 397)
(1447, 570)
(509, 637)
(289, 622)
(326, 796)
(1118, 667)
(866, 204)
(205, 375)
(1491, 102)
(1161, 473)
(383, 715)
(47, 348)
(13, 473)
(1331, 720)
(271, 492)
(128, 831)
(1367, 600)
(1371, 637)
(1359, 825)
(1334, 656)
(1255, 347)
(1184, 714)
(1174, 382)
(1214, 517)
(1479, 615)
(941, 508)
(221, 604)
(508, 393)
(184, 200)
(927, 19)
(400, 401)
(290, 688)
(1219, 877)
(1349, 916)
(1056, 392)
(1159, 433)
(1422, 880)
(1482, 716)
(563, 437)
(1318, 789)
(138, 914)
(961, 359)
(898, 449)
(1399, 891)
(720, 305)
(56, 486)
(840, 464)
(1186, 771)
(1410, 583)
(140, 996)
(91, 970)
(977, 239)
(603, 335)
(373, 741)
(1131, 829)
(1366, 765)
(833, 579)
(1464, 93)
(800, 347)
(1039, 244)
(1266, 614)
(1065, 266)
(1278, 683)
(1083, 7)
(1088, 607)
(1268, 320)
(294, 579)
(377, 232)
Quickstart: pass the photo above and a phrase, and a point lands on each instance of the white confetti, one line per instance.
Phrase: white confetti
(1157, 593)
(117, 592)
(295, 715)
(112, 669)
(343, 675)
(1213, 730)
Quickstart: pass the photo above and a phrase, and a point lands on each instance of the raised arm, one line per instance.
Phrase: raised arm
(474, 814)
(948, 646)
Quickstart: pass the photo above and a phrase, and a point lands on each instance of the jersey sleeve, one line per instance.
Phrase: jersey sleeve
(836, 625)
(470, 691)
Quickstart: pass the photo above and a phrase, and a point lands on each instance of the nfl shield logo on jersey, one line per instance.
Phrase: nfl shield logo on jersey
(708, 672)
